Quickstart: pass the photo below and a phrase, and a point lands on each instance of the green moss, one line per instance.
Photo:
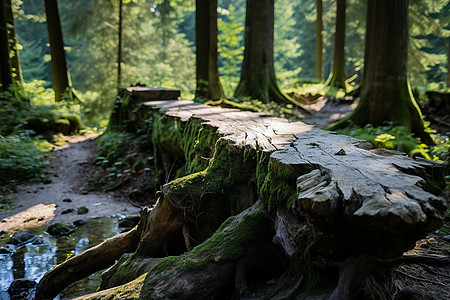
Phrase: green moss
(230, 242)
(278, 186)
(198, 145)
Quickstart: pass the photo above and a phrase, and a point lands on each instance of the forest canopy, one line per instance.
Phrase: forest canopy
(159, 44)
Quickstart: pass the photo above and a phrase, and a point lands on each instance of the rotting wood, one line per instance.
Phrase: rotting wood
(362, 203)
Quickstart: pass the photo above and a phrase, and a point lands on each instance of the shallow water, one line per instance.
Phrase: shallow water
(33, 260)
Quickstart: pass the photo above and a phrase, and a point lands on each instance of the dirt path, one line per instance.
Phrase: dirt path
(52, 202)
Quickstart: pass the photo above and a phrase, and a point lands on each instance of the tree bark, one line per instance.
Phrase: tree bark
(448, 62)
(337, 77)
(119, 47)
(5, 61)
(386, 95)
(258, 79)
(60, 74)
(321, 196)
(208, 82)
(15, 62)
(319, 42)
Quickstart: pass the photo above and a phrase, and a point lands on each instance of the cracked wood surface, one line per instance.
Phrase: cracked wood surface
(378, 192)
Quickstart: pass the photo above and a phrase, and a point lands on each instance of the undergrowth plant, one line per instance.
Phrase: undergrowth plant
(397, 138)
(22, 157)
(29, 120)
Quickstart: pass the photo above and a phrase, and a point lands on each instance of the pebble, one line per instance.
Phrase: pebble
(67, 200)
(446, 237)
(22, 237)
(83, 210)
(5, 250)
(21, 288)
(67, 211)
(79, 223)
(59, 229)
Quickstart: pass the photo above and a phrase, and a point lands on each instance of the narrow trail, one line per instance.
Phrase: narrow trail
(65, 191)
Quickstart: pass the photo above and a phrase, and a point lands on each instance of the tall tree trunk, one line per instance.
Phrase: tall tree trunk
(258, 79)
(60, 75)
(15, 63)
(386, 95)
(208, 82)
(448, 62)
(119, 50)
(337, 77)
(6, 78)
(319, 42)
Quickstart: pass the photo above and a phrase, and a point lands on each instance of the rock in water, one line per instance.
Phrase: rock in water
(5, 250)
(67, 211)
(129, 222)
(58, 229)
(79, 223)
(22, 237)
(22, 289)
(83, 210)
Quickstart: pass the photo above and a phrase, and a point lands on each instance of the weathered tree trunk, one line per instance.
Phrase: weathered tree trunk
(6, 78)
(337, 76)
(319, 42)
(258, 79)
(322, 198)
(386, 95)
(208, 82)
(60, 74)
(15, 62)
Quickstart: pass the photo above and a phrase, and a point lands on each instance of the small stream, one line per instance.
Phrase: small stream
(33, 260)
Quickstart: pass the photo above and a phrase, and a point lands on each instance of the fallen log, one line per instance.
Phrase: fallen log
(323, 198)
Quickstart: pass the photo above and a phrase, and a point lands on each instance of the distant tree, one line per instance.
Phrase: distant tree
(208, 82)
(119, 47)
(337, 76)
(6, 78)
(319, 41)
(60, 74)
(15, 63)
(258, 79)
(386, 95)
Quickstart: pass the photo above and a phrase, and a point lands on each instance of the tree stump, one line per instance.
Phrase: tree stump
(258, 198)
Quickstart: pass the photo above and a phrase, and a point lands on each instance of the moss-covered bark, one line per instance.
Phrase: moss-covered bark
(208, 236)
(386, 95)
(258, 75)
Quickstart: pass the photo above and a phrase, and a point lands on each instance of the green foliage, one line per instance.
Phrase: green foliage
(6, 202)
(230, 43)
(28, 114)
(117, 155)
(22, 157)
(31, 107)
(397, 138)
(287, 47)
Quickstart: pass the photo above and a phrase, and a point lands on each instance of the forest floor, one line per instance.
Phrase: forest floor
(63, 191)
(67, 188)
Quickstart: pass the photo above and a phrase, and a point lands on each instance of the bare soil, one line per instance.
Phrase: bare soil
(64, 191)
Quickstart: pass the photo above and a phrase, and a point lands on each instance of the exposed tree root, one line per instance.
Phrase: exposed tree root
(86, 263)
